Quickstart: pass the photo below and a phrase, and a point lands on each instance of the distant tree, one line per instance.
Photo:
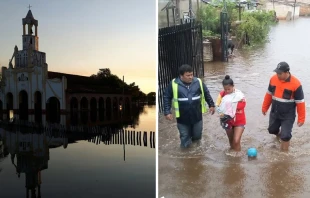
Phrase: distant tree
(106, 72)
(132, 84)
(151, 97)
(106, 78)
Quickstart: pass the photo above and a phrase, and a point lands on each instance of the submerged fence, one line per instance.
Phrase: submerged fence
(125, 137)
(178, 45)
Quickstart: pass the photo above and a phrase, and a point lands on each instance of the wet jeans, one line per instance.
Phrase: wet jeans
(189, 133)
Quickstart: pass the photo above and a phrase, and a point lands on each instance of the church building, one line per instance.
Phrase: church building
(30, 92)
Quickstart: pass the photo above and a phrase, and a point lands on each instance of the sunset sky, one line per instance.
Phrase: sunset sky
(79, 36)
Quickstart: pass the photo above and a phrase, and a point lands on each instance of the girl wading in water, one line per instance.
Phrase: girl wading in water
(230, 105)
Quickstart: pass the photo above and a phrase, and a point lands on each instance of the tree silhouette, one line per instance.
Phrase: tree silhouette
(151, 97)
(106, 78)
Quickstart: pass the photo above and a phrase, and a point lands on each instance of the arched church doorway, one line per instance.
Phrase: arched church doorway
(1, 110)
(23, 105)
(38, 107)
(109, 108)
(93, 109)
(84, 110)
(101, 109)
(74, 111)
(9, 105)
(53, 110)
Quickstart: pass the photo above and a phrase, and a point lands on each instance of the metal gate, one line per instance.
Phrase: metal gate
(178, 45)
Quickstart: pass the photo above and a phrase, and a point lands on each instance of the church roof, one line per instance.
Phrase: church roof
(29, 15)
(84, 84)
(29, 19)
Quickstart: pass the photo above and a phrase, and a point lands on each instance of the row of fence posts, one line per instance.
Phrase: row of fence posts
(126, 137)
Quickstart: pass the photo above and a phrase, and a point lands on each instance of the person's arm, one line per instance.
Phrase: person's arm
(208, 97)
(168, 95)
(241, 105)
(218, 103)
(300, 103)
(267, 99)
(218, 100)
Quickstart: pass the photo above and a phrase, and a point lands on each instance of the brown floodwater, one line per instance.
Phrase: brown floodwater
(210, 169)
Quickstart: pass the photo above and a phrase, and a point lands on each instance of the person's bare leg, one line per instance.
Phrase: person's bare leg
(230, 135)
(286, 133)
(285, 145)
(237, 138)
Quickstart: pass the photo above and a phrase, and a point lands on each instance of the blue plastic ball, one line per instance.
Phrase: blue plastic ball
(252, 152)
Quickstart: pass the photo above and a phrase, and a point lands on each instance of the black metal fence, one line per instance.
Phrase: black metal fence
(178, 45)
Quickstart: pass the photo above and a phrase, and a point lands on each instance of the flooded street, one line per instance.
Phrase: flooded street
(210, 169)
(57, 164)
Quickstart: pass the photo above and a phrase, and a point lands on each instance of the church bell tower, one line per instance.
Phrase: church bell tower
(30, 38)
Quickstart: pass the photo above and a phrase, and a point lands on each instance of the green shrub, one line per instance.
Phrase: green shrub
(256, 23)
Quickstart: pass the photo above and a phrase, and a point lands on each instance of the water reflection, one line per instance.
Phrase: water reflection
(189, 174)
(3, 150)
(283, 179)
(119, 117)
(233, 179)
(123, 120)
(29, 149)
(29, 153)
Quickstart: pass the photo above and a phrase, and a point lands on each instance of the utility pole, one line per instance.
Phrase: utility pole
(239, 11)
(294, 11)
(197, 6)
(224, 32)
(177, 11)
(190, 10)
(122, 120)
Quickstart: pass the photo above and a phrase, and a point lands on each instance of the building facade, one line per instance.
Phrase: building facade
(30, 92)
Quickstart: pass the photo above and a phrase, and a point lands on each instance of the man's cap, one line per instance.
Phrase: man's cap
(282, 67)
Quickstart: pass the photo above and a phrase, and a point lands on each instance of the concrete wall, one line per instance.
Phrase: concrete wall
(207, 51)
(303, 1)
(283, 10)
(304, 11)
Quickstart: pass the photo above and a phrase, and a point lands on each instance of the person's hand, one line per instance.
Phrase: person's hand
(300, 124)
(169, 117)
(211, 110)
(264, 113)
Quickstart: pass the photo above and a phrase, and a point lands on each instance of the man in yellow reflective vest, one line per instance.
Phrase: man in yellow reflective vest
(189, 96)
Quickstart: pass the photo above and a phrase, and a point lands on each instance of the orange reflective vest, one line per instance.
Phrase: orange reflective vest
(285, 96)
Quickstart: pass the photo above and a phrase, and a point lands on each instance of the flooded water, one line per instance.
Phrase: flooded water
(210, 169)
(57, 164)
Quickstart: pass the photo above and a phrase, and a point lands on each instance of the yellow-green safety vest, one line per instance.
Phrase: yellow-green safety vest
(176, 102)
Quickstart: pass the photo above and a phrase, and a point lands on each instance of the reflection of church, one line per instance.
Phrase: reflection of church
(32, 93)
(30, 155)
